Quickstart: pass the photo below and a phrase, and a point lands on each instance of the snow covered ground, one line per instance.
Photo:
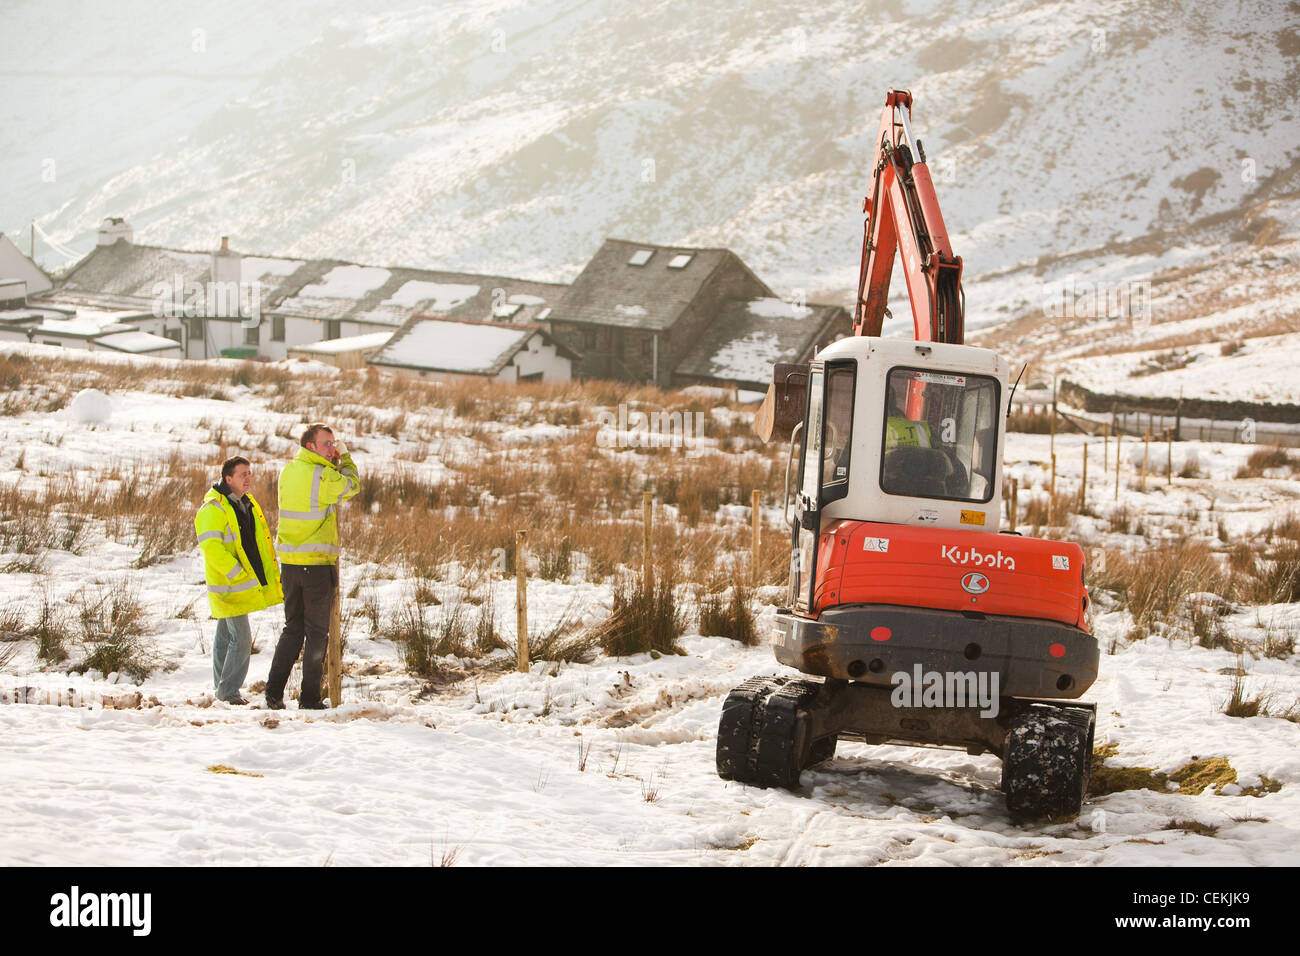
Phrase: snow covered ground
(609, 762)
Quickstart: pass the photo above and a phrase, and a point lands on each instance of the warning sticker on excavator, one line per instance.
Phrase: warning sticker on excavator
(875, 544)
(1061, 562)
(972, 517)
(937, 379)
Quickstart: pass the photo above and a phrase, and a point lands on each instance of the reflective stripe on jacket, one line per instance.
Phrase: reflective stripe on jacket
(311, 488)
(233, 588)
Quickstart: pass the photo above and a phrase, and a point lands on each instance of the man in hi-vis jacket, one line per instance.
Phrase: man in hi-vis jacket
(239, 566)
(312, 485)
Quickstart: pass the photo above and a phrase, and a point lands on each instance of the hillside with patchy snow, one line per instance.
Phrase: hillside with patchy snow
(512, 137)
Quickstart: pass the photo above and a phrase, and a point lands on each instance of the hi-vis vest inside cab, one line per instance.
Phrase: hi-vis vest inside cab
(310, 491)
(903, 432)
(233, 588)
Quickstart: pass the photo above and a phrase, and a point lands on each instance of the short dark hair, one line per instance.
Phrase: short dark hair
(230, 464)
(309, 433)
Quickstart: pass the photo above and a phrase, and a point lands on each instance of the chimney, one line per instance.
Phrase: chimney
(112, 229)
(226, 263)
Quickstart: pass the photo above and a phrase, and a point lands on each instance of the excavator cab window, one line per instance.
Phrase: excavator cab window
(940, 435)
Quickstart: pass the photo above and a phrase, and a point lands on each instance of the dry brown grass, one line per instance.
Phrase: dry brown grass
(1263, 459)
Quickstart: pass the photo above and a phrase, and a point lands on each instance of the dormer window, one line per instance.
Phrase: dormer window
(640, 257)
(681, 261)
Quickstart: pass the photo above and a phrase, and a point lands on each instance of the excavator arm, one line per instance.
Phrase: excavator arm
(902, 213)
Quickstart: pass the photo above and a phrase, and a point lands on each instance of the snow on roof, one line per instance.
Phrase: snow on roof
(748, 359)
(138, 342)
(778, 309)
(346, 282)
(431, 296)
(445, 345)
(85, 325)
(350, 343)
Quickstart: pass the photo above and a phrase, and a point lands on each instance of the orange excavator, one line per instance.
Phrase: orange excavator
(923, 622)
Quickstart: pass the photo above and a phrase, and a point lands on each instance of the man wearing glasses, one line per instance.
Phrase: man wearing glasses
(313, 483)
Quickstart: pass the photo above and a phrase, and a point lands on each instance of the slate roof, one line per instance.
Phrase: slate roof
(610, 291)
(124, 275)
(333, 289)
(749, 336)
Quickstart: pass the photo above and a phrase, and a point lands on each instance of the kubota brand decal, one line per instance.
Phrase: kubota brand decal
(974, 583)
(1061, 562)
(875, 544)
(981, 559)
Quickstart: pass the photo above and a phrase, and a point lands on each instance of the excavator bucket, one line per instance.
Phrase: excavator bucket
(783, 407)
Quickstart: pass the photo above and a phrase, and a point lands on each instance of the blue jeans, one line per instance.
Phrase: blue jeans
(231, 649)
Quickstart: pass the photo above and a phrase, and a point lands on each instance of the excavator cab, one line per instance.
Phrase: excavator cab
(900, 576)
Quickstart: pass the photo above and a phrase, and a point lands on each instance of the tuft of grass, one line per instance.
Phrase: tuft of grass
(1276, 578)
(51, 631)
(1154, 585)
(222, 768)
(642, 619)
(563, 641)
(1195, 777)
(1263, 459)
(420, 642)
(730, 616)
(1192, 826)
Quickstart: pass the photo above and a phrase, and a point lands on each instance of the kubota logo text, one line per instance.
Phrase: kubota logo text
(981, 559)
(975, 583)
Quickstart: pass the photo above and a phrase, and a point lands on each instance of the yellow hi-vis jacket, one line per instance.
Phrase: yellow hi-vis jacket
(903, 432)
(233, 588)
(310, 491)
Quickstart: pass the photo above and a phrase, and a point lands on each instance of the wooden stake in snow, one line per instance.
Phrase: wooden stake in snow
(647, 551)
(1083, 485)
(1146, 454)
(334, 649)
(758, 519)
(1051, 491)
(1014, 509)
(1169, 462)
(521, 603)
(1105, 452)
(1118, 437)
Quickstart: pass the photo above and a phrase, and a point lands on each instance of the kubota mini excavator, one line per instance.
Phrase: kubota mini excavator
(926, 624)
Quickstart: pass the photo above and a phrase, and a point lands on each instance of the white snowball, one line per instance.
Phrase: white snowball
(90, 406)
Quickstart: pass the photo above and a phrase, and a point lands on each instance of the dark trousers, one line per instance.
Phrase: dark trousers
(308, 600)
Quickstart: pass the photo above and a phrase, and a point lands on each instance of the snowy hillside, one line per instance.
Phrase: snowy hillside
(512, 137)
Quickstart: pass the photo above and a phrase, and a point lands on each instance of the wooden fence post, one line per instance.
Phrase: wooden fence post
(1118, 438)
(1051, 490)
(647, 549)
(1169, 462)
(1083, 487)
(1146, 455)
(1015, 504)
(521, 603)
(758, 520)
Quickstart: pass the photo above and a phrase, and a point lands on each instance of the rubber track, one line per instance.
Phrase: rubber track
(736, 727)
(777, 760)
(1045, 761)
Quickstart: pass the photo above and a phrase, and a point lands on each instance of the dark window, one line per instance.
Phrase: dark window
(251, 335)
(588, 338)
(277, 328)
(331, 329)
(940, 436)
